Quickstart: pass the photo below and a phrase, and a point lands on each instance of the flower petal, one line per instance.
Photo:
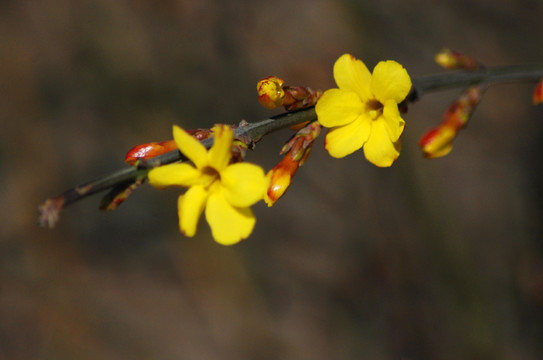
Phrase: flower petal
(221, 151)
(190, 206)
(244, 184)
(352, 74)
(190, 147)
(173, 175)
(344, 140)
(379, 149)
(390, 81)
(229, 224)
(394, 122)
(337, 107)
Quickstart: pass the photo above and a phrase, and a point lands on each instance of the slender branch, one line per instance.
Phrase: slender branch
(253, 132)
(50, 209)
(454, 79)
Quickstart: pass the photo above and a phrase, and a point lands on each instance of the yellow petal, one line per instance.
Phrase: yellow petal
(244, 184)
(229, 224)
(344, 140)
(173, 175)
(190, 147)
(337, 107)
(379, 149)
(390, 81)
(394, 122)
(352, 74)
(221, 151)
(190, 206)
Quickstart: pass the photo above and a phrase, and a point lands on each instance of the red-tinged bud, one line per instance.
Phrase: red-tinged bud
(297, 150)
(449, 59)
(459, 112)
(149, 150)
(538, 93)
(280, 179)
(270, 92)
(438, 142)
(152, 149)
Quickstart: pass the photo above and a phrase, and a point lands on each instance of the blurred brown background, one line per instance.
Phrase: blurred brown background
(428, 259)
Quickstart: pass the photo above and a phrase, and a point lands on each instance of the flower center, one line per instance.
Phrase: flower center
(375, 108)
(209, 175)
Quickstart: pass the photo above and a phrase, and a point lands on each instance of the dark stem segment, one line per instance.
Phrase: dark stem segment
(253, 132)
(454, 79)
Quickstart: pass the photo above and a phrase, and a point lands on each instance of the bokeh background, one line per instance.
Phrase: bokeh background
(437, 259)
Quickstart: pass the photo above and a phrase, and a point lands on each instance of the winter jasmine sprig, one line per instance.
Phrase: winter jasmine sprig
(362, 113)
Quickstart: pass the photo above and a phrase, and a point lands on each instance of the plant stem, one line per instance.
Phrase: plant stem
(253, 132)
(453, 79)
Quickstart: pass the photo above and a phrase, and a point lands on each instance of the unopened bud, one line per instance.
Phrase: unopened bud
(449, 59)
(297, 150)
(280, 179)
(149, 150)
(270, 92)
(438, 142)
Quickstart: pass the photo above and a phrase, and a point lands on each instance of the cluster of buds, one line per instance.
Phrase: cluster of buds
(296, 151)
(438, 141)
(272, 93)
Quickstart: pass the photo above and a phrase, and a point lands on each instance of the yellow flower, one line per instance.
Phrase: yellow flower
(363, 112)
(226, 191)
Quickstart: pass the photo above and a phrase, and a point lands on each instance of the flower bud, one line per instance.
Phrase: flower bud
(297, 150)
(449, 59)
(270, 92)
(149, 150)
(538, 93)
(438, 141)
(280, 179)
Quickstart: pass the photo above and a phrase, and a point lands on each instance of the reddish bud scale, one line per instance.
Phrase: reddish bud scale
(538, 93)
(300, 97)
(118, 195)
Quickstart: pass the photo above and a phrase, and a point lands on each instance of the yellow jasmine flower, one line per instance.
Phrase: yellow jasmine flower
(226, 191)
(363, 110)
